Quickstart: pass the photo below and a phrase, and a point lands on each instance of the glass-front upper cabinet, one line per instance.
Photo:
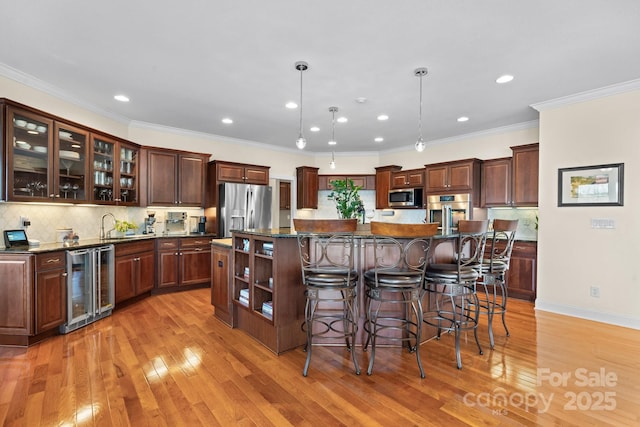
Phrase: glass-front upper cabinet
(28, 157)
(128, 188)
(104, 160)
(71, 163)
(115, 171)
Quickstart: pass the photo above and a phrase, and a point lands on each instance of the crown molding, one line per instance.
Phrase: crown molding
(56, 92)
(588, 95)
(479, 134)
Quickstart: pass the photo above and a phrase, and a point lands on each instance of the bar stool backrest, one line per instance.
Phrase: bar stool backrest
(471, 243)
(503, 230)
(326, 246)
(401, 247)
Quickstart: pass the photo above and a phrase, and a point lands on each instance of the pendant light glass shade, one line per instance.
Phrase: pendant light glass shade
(420, 144)
(301, 142)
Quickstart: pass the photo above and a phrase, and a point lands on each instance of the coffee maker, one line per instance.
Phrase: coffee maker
(148, 223)
(197, 224)
(175, 223)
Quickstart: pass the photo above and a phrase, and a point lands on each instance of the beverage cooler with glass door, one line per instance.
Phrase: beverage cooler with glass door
(90, 286)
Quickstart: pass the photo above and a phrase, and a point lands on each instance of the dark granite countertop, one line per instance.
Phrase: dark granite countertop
(89, 243)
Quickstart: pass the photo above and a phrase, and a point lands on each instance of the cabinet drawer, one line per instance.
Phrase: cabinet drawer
(134, 247)
(195, 242)
(164, 244)
(50, 260)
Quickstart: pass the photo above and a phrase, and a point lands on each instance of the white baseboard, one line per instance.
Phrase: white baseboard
(597, 316)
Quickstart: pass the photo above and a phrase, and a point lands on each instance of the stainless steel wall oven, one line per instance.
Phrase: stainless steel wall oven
(448, 210)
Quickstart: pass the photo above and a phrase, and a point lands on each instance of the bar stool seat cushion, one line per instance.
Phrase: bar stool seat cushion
(393, 278)
(450, 272)
(328, 277)
(494, 266)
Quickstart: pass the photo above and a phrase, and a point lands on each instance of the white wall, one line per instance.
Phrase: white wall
(572, 256)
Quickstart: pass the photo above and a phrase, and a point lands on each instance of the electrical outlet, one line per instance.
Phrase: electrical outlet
(594, 291)
(24, 222)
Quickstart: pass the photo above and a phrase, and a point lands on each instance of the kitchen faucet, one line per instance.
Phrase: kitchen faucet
(102, 233)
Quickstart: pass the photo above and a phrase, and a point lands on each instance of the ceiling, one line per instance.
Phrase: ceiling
(189, 64)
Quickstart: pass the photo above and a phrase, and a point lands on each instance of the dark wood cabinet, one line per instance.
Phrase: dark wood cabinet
(175, 178)
(272, 311)
(134, 269)
(220, 281)
(383, 185)
(242, 173)
(116, 171)
(33, 293)
(183, 262)
(365, 182)
(525, 175)
(407, 179)
(285, 195)
(452, 177)
(57, 160)
(521, 278)
(16, 304)
(511, 181)
(50, 291)
(307, 187)
(496, 182)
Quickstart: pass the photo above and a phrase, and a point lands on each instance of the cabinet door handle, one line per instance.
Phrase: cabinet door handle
(53, 260)
(64, 274)
(198, 249)
(220, 264)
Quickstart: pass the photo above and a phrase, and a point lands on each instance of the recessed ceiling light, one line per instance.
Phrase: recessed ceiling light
(291, 105)
(378, 139)
(383, 117)
(314, 129)
(463, 119)
(361, 100)
(504, 79)
(227, 121)
(332, 142)
(121, 98)
(342, 120)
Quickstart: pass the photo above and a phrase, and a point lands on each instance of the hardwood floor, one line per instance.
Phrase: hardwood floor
(167, 361)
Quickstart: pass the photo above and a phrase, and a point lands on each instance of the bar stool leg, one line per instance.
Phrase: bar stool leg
(309, 313)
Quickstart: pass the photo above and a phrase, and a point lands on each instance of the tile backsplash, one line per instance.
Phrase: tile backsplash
(84, 220)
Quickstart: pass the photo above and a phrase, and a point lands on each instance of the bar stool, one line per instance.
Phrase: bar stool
(492, 296)
(400, 253)
(328, 274)
(451, 288)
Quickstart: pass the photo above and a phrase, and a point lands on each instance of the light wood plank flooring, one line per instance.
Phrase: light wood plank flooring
(166, 361)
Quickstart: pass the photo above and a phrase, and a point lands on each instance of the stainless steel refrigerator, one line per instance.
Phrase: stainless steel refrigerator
(243, 207)
(90, 286)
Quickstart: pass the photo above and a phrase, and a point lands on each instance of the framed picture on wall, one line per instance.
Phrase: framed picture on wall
(600, 185)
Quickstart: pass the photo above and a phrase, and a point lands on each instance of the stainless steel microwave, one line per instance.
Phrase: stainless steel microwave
(406, 198)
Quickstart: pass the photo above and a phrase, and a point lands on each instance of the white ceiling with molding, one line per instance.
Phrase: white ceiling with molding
(189, 64)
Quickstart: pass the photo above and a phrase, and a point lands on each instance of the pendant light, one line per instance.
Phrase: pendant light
(333, 111)
(301, 142)
(420, 145)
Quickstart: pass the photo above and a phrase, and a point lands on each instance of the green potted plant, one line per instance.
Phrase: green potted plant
(345, 195)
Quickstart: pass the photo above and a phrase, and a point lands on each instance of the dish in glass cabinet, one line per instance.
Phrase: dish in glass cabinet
(40, 149)
(20, 123)
(31, 126)
(23, 145)
(64, 134)
(69, 154)
(41, 129)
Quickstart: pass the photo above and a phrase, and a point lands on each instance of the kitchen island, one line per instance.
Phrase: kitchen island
(266, 292)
